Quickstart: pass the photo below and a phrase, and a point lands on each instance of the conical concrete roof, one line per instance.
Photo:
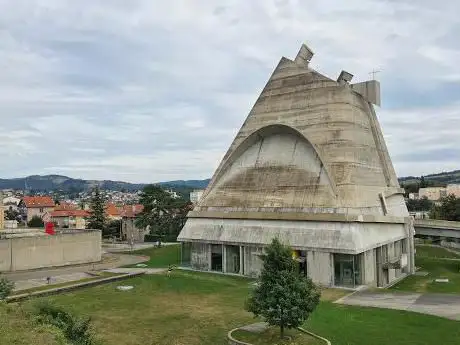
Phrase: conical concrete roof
(310, 144)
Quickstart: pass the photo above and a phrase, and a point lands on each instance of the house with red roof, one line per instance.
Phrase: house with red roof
(129, 231)
(113, 212)
(32, 206)
(67, 215)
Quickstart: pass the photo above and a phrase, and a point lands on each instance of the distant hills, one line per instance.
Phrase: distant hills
(196, 184)
(68, 184)
(438, 179)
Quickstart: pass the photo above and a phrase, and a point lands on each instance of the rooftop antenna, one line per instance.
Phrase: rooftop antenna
(373, 73)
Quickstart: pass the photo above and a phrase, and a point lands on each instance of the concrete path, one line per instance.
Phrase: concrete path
(123, 270)
(33, 283)
(109, 261)
(443, 305)
(258, 327)
(126, 247)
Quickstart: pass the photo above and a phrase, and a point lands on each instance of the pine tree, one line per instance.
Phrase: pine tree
(283, 297)
(97, 218)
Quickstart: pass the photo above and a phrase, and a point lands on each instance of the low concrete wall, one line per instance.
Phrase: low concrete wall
(67, 247)
(58, 290)
(233, 341)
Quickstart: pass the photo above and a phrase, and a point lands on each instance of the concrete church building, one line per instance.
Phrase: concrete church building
(310, 167)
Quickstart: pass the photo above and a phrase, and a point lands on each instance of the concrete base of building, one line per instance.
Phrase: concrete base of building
(377, 267)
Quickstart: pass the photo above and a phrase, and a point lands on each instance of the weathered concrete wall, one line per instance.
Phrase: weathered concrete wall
(369, 267)
(304, 116)
(129, 231)
(232, 259)
(66, 248)
(5, 255)
(337, 237)
(252, 260)
(320, 267)
(201, 256)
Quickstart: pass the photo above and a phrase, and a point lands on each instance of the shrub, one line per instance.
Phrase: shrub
(76, 330)
(6, 288)
(35, 222)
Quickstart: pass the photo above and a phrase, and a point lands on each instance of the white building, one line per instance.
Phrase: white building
(453, 189)
(432, 193)
(195, 196)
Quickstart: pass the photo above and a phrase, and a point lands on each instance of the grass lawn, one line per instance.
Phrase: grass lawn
(272, 337)
(348, 325)
(200, 308)
(436, 262)
(159, 257)
(435, 252)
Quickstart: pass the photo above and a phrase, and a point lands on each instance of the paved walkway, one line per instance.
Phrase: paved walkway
(443, 305)
(109, 261)
(125, 247)
(258, 327)
(33, 283)
(123, 270)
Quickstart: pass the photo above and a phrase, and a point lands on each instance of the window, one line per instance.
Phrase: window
(404, 246)
(41, 210)
(347, 270)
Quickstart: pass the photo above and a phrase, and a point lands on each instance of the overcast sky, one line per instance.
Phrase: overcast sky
(152, 90)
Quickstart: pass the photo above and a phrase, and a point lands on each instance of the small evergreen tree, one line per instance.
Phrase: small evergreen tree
(283, 297)
(35, 222)
(112, 229)
(97, 219)
(449, 209)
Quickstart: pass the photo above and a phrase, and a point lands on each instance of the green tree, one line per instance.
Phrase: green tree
(97, 218)
(35, 222)
(423, 183)
(410, 188)
(283, 297)
(6, 288)
(11, 214)
(112, 228)
(164, 214)
(422, 204)
(449, 209)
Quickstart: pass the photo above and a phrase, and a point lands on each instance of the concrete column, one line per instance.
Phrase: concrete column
(241, 260)
(320, 267)
(224, 258)
(369, 268)
(409, 226)
(209, 256)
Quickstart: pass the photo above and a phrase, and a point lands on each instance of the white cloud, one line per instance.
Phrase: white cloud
(149, 90)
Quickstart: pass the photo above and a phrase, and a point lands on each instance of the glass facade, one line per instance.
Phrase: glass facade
(216, 257)
(347, 270)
